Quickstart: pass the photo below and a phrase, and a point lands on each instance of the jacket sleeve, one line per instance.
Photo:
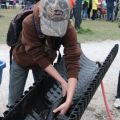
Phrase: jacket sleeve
(72, 52)
(32, 43)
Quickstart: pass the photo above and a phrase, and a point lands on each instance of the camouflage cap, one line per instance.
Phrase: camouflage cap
(54, 16)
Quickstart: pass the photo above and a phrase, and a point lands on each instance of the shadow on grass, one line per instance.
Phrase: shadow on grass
(85, 31)
(1, 16)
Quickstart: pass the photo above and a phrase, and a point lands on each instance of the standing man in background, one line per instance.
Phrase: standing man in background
(118, 15)
(110, 8)
(117, 100)
(89, 9)
(77, 13)
(94, 9)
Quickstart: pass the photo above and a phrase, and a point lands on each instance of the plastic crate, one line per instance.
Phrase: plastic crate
(2, 65)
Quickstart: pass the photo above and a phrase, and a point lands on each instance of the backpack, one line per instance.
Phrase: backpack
(15, 28)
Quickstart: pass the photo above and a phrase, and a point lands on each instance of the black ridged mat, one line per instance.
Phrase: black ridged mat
(39, 101)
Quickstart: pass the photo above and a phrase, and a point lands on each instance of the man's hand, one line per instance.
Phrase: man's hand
(63, 108)
(70, 89)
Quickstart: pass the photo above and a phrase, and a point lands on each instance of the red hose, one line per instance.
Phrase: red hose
(105, 102)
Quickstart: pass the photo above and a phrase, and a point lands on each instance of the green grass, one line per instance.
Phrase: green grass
(98, 31)
(84, 31)
(91, 30)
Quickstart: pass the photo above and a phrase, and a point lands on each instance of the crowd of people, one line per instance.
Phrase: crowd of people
(6, 4)
(99, 9)
(91, 9)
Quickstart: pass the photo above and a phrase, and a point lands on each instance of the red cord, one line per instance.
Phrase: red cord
(105, 102)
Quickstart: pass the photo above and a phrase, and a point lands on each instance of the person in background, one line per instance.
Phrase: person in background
(118, 14)
(94, 9)
(38, 54)
(0, 3)
(89, 9)
(110, 8)
(104, 9)
(77, 13)
(117, 101)
(84, 9)
(99, 10)
(72, 2)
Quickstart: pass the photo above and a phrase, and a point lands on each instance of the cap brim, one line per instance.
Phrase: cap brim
(53, 28)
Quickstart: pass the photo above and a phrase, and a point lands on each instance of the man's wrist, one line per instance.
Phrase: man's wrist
(69, 101)
(62, 81)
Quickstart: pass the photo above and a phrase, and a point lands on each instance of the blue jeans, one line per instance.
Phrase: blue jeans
(18, 77)
(110, 13)
(84, 13)
(77, 13)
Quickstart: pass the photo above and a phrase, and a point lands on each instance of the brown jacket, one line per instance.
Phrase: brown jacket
(31, 51)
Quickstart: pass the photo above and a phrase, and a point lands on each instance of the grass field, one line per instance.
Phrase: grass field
(99, 30)
(91, 30)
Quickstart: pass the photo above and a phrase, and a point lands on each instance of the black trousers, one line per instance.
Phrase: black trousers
(94, 15)
(89, 10)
